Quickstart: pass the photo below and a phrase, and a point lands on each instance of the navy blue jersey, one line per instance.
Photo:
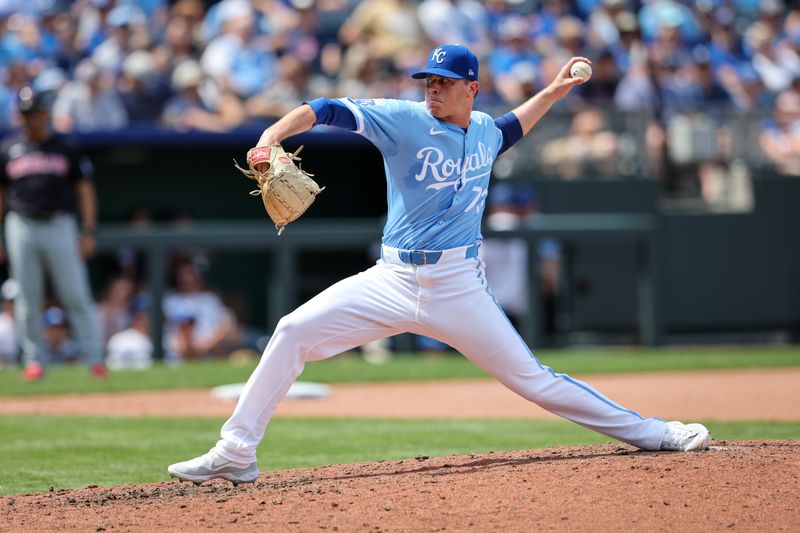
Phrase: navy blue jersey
(39, 178)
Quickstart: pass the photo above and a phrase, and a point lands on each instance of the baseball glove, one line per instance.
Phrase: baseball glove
(286, 189)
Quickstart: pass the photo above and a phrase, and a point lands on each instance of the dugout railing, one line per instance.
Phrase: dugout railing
(157, 242)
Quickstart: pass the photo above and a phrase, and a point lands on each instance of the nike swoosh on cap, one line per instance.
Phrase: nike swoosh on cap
(436, 132)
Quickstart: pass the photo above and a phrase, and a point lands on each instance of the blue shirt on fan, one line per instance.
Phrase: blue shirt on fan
(437, 173)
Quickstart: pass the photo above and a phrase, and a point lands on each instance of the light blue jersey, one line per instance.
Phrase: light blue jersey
(437, 174)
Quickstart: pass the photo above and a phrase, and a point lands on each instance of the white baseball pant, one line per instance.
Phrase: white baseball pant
(450, 301)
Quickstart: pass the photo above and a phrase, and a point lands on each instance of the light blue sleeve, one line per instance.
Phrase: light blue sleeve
(385, 123)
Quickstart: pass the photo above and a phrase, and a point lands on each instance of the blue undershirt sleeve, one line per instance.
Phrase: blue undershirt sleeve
(333, 113)
(509, 125)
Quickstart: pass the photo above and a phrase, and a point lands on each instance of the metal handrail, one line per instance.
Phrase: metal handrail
(157, 241)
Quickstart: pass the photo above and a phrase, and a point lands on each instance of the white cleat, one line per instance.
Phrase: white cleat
(212, 466)
(680, 437)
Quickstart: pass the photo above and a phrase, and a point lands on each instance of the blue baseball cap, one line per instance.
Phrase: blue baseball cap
(54, 316)
(451, 61)
(140, 303)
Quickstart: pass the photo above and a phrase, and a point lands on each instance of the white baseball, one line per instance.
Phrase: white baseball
(581, 69)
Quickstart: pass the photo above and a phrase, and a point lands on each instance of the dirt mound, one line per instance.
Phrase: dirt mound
(747, 486)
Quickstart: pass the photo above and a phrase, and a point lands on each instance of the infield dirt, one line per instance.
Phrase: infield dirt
(738, 486)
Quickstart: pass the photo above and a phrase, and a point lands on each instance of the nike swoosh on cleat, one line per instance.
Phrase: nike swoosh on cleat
(436, 132)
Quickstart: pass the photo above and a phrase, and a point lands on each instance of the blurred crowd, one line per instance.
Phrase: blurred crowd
(207, 65)
(198, 322)
(194, 64)
(215, 65)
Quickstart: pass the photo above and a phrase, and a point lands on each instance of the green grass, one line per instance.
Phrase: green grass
(40, 452)
(349, 368)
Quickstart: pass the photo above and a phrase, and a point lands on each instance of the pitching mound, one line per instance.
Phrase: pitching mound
(734, 486)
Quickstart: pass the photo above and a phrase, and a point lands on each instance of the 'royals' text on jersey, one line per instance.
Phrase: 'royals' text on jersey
(437, 174)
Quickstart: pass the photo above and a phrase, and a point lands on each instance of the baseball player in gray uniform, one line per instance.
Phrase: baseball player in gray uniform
(438, 156)
(41, 175)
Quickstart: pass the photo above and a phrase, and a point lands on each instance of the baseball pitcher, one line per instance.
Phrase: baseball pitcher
(438, 156)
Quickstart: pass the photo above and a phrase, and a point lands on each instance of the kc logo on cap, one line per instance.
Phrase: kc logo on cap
(451, 61)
